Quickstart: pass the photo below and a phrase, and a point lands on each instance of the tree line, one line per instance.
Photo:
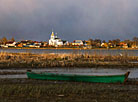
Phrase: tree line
(93, 42)
(4, 40)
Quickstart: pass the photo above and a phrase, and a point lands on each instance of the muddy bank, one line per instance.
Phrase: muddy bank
(27, 90)
(28, 60)
(11, 73)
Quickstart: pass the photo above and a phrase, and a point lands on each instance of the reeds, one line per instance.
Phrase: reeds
(29, 60)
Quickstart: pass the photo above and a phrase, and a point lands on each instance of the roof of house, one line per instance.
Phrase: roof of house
(10, 42)
(78, 41)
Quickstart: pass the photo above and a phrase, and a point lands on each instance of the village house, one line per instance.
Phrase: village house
(87, 44)
(123, 45)
(104, 45)
(3, 46)
(25, 43)
(44, 44)
(77, 43)
(19, 44)
(65, 42)
(110, 45)
(35, 44)
(10, 44)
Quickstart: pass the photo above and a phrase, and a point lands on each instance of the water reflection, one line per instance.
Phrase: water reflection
(89, 51)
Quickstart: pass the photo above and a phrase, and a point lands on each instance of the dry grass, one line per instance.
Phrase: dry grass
(29, 60)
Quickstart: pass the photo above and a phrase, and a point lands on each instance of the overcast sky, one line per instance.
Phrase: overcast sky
(71, 19)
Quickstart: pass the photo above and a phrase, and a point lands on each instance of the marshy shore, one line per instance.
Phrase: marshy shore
(30, 60)
(28, 90)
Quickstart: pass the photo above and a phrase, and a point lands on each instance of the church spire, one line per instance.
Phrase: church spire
(52, 35)
(52, 32)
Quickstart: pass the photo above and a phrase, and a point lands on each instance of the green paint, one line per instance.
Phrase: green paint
(80, 78)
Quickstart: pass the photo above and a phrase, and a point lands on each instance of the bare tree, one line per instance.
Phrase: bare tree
(135, 41)
(12, 39)
(91, 41)
(4, 40)
(135, 38)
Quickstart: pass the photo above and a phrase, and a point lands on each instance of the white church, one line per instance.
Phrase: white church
(55, 41)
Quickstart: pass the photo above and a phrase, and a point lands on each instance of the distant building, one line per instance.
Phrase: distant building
(11, 44)
(44, 44)
(25, 43)
(105, 45)
(77, 43)
(37, 44)
(55, 41)
(123, 45)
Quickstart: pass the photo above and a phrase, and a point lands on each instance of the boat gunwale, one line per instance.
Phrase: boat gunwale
(58, 74)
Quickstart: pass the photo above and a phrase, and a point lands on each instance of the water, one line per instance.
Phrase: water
(89, 51)
(78, 71)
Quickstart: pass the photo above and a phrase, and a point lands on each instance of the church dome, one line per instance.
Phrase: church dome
(52, 34)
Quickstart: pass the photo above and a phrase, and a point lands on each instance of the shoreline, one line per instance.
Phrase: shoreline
(100, 66)
(79, 48)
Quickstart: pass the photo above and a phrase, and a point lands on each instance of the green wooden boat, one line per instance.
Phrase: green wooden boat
(80, 78)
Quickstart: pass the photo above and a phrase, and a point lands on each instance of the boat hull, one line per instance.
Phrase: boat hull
(80, 78)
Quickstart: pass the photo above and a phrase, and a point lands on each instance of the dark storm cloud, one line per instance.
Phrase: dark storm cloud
(71, 19)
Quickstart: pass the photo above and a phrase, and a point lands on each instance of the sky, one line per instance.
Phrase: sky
(70, 19)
